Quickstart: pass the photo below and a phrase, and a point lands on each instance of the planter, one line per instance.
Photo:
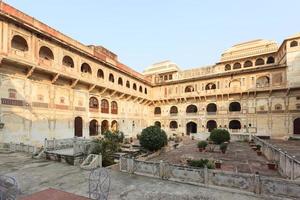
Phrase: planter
(254, 148)
(259, 153)
(218, 165)
(193, 137)
(271, 166)
(201, 149)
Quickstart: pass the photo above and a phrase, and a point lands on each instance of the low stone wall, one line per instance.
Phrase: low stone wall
(288, 166)
(252, 183)
(22, 148)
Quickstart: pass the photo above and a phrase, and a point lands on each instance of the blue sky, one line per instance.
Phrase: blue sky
(191, 33)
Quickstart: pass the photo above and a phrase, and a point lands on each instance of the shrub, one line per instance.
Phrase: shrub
(117, 136)
(153, 138)
(223, 147)
(218, 136)
(201, 163)
(202, 144)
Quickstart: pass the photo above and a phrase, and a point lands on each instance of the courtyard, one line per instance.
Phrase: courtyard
(239, 157)
(35, 175)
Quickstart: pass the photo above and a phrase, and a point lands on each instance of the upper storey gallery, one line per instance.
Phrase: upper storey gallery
(27, 45)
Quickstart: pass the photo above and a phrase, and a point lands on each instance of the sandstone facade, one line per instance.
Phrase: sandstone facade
(52, 86)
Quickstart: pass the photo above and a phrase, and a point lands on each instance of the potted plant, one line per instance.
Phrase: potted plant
(259, 153)
(218, 164)
(258, 147)
(272, 165)
(223, 147)
(193, 137)
(202, 145)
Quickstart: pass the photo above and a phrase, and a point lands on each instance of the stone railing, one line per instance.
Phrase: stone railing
(79, 145)
(22, 148)
(288, 165)
(251, 183)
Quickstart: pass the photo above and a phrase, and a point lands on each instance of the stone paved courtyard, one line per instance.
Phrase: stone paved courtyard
(238, 157)
(36, 175)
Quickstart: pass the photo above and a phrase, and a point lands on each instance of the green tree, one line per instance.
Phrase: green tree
(153, 138)
(218, 136)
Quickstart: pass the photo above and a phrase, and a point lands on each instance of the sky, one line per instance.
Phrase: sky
(191, 33)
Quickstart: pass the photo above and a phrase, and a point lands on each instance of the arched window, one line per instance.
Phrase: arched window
(173, 125)
(94, 103)
(237, 66)
(127, 84)
(263, 81)
(212, 107)
(294, 44)
(189, 89)
(141, 89)
(146, 91)
(270, 60)
(114, 125)
(46, 53)
(111, 78)
(93, 127)
(173, 110)
(85, 68)
(104, 126)
(120, 81)
(157, 111)
(210, 86)
(191, 109)
(68, 61)
(19, 43)
(134, 86)
(114, 107)
(234, 107)
(100, 74)
(211, 125)
(259, 61)
(248, 63)
(235, 124)
(157, 123)
(104, 106)
(227, 67)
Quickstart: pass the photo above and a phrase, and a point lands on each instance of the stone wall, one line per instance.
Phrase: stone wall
(288, 166)
(252, 183)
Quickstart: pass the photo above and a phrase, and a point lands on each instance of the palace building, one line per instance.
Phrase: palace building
(52, 86)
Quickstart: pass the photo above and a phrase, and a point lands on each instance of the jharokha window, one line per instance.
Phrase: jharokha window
(94, 103)
(12, 93)
(104, 106)
(114, 107)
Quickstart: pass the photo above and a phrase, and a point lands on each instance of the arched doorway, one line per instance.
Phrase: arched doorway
(114, 126)
(297, 126)
(93, 127)
(78, 127)
(235, 124)
(191, 127)
(104, 126)
(211, 125)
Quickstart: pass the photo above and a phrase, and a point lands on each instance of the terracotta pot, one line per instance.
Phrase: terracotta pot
(193, 137)
(200, 149)
(223, 151)
(272, 166)
(259, 153)
(218, 165)
(254, 148)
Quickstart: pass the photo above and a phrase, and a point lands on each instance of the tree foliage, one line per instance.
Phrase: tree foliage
(153, 138)
(218, 136)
